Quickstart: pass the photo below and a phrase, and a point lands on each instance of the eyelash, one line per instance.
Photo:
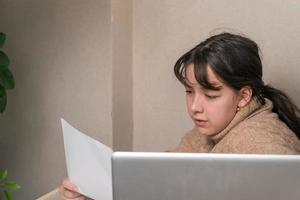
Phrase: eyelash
(211, 97)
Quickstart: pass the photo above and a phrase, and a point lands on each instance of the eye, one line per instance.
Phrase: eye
(211, 96)
(188, 91)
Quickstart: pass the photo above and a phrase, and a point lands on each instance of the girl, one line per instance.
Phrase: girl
(233, 110)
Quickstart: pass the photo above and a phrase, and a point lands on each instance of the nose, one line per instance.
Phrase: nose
(197, 104)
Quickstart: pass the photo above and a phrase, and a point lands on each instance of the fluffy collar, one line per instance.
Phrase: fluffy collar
(253, 108)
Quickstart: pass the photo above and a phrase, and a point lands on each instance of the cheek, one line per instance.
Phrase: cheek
(221, 113)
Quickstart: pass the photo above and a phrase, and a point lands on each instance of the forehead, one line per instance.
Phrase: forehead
(211, 76)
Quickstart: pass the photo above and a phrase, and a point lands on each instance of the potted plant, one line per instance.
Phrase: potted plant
(6, 82)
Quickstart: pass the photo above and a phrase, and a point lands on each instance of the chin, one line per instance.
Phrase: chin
(204, 131)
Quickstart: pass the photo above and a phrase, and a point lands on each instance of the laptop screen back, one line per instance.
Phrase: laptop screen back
(195, 176)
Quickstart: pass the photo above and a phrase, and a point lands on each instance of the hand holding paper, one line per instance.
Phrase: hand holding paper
(88, 163)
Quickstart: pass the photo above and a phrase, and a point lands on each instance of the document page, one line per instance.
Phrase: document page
(88, 163)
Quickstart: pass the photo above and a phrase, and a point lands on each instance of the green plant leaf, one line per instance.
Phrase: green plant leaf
(7, 79)
(4, 60)
(3, 99)
(8, 195)
(2, 39)
(11, 185)
(3, 174)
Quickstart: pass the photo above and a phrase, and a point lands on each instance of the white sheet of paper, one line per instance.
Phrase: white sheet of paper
(88, 163)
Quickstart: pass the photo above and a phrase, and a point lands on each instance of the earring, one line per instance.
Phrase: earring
(238, 109)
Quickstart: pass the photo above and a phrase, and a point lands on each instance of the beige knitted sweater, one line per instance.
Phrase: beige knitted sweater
(254, 129)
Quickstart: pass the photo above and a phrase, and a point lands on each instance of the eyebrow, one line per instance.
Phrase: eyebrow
(216, 87)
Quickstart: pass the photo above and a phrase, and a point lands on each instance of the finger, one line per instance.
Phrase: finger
(80, 198)
(71, 194)
(77, 198)
(69, 185)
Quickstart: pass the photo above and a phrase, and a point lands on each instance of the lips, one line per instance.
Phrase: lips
(200, 122)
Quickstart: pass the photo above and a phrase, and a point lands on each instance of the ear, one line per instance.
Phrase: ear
(246, 95)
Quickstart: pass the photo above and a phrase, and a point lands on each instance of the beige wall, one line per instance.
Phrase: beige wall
(164, 31)
(60, 55)
(122, 75)
(107, 67)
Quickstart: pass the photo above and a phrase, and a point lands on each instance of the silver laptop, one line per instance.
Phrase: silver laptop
(195, 176)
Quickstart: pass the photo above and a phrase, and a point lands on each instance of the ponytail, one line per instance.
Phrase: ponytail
(287, 111)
